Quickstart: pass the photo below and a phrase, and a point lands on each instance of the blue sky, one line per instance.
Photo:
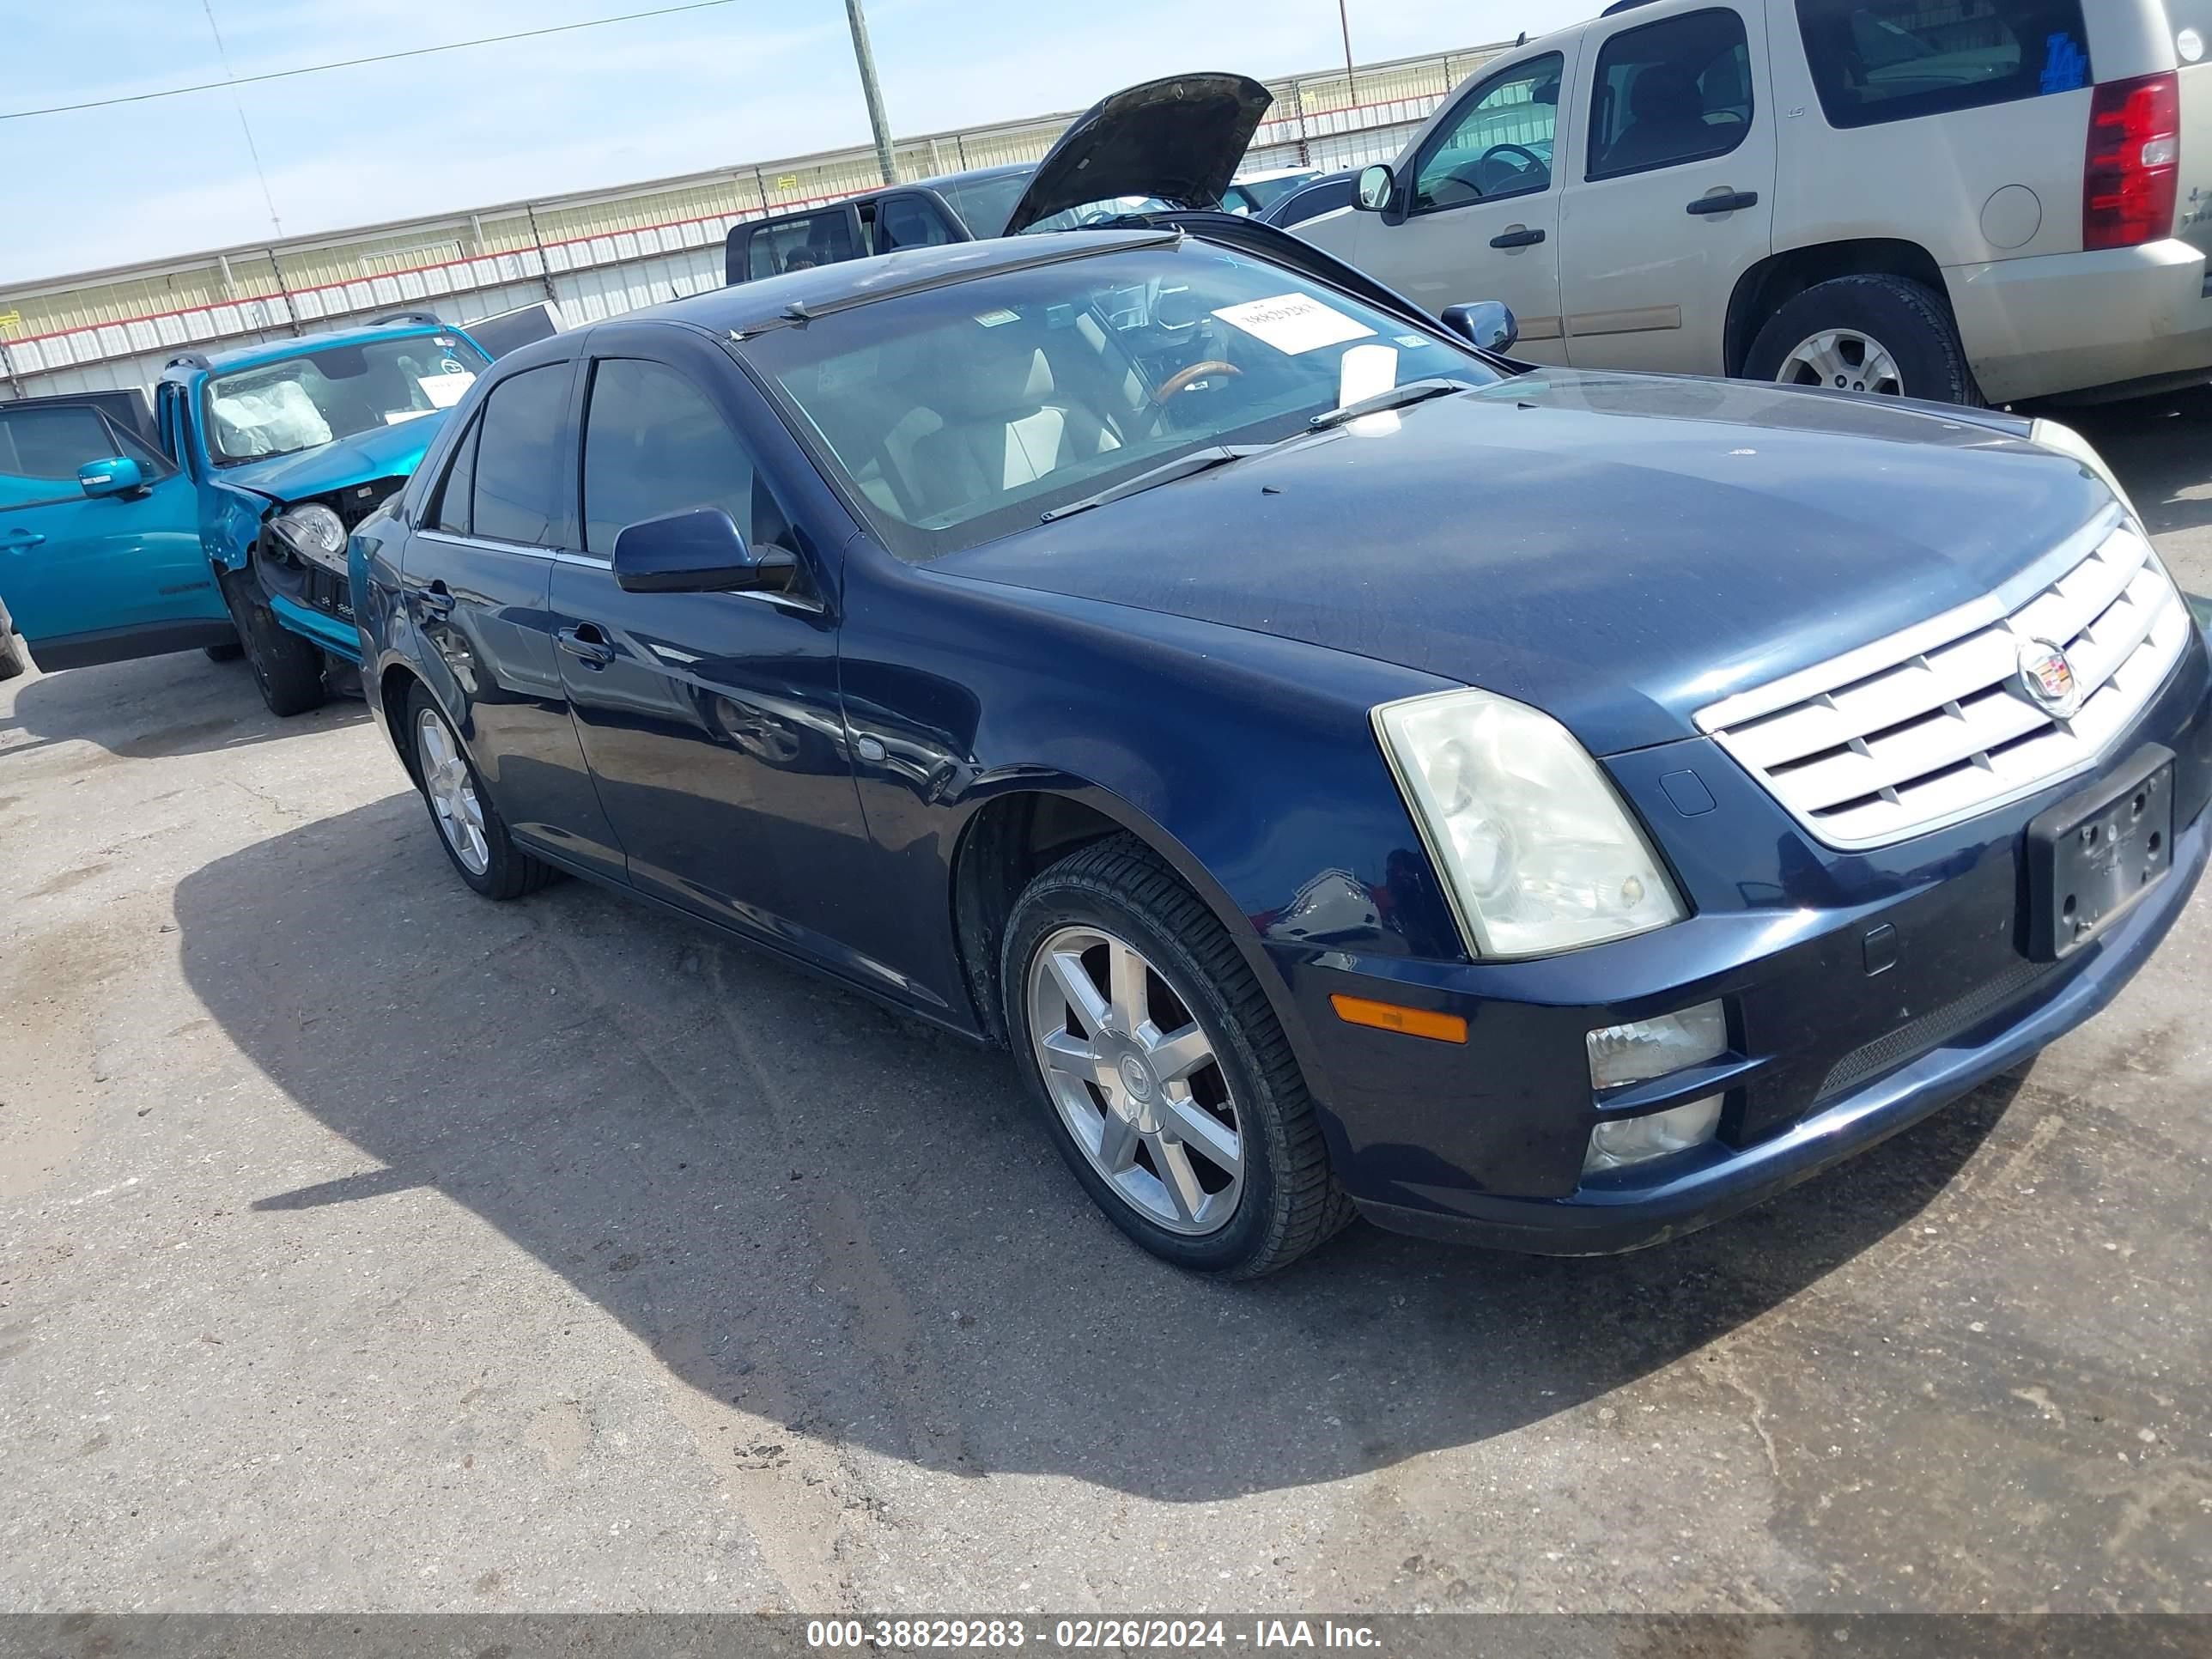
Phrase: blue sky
(748, 80)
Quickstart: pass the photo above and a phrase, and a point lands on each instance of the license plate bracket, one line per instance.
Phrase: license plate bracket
(2092, 856)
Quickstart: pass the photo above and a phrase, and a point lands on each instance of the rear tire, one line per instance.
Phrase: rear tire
(13, 661)
(469, 825)
(1876, 334)
(288, 669)
(1237, 1125)
(223, 653)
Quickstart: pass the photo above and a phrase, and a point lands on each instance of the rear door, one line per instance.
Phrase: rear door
(91, 579)
(713, 721)
(1673, 197)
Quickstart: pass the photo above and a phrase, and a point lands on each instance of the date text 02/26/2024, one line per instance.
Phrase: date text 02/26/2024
(1004, 1634)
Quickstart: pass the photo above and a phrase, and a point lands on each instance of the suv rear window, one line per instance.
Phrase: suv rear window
(1892, 60)
(801, 243)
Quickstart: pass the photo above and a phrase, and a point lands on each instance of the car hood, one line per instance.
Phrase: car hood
(1618, 550)
(1178, 140)
(389, 452)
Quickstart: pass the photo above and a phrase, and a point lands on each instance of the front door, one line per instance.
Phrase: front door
(712, 721)
(1674, 191)
(1477, 215)
(92, 579)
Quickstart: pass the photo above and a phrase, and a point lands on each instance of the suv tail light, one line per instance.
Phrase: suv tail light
(2128, 194)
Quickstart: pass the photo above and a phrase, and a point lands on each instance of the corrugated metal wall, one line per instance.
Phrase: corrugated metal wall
(593, 256)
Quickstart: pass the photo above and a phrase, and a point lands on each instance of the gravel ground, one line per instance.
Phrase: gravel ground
(365, 1246)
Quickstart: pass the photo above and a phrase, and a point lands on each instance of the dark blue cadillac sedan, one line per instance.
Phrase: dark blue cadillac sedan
(1350, 772)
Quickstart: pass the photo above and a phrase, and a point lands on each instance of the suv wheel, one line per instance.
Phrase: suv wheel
(470, 827)
(1887, 335)
(1163, 1075)
(287, 668)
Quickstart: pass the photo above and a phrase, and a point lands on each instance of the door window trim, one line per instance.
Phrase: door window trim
(1591, 176)
(1443, 133)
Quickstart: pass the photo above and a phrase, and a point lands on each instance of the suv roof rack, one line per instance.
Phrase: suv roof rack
(391, 317)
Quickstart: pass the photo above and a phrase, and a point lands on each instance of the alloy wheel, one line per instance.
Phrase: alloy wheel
(1136, 1080)
(1843, 359)
(452, 793)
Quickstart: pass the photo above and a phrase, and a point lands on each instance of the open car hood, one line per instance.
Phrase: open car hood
(1179, 140)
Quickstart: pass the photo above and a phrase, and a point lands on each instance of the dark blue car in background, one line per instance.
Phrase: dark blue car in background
(1350, 772)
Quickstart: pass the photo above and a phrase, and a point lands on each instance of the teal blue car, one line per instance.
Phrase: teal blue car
(216, 517)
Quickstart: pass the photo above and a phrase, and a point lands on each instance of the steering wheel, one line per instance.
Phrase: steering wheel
(1482, 165)
(1183, 378)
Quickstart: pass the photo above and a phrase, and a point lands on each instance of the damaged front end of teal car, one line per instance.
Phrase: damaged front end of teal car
(220, 517)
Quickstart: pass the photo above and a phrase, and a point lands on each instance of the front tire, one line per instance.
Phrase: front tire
(1164, 1078)
(288, 669)
(469, 826)
(1887, 335)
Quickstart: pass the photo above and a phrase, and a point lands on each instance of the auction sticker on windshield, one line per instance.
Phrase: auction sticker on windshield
(1294, 323)
(444, 391)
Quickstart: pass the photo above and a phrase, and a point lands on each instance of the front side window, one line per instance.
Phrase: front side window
(909, 222)
(1892, 60)
(801, 243)
(517, 456)
(1669, 93)
(958, 414)
(41, 449)
(316, 397)
(1501, 144)
(653, 446)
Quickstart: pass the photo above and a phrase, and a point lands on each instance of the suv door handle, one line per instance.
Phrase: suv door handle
(586, 642)
(21, 538)
(437, 600)
(1519, 236)
(1728, 204)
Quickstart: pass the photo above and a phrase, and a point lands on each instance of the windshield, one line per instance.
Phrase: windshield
(963, 413)
(319, 397)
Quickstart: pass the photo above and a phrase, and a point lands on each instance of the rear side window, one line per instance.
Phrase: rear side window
(453, 513)
(800, 243)
(517, 456)
(1670, 92)
(652, 445)
(1893, 60)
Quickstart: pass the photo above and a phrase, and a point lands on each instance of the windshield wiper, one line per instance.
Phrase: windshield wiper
(1182, 467)
(1397, 397)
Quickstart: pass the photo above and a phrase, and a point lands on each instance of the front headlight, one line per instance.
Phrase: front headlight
(1537, 849)
(313, 532)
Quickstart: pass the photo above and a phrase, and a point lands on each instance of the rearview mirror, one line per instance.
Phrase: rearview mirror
(1486, 323)
(118, 475)
(1375, 185)
(699, 552)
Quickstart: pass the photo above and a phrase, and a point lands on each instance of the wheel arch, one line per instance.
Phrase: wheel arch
(1016, 832)
(1781, 277)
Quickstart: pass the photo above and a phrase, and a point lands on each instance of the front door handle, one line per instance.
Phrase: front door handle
(21, 538)
(586, 643)
(1519, 236)
(437, 600)
(1728, 203)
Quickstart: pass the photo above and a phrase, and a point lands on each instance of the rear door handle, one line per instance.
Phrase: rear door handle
(1519, 236)
(21, 538)
(1728, 204)
(437, 601)
(586, 642)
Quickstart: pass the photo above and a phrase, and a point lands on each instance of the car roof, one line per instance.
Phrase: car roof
(271, 351)
(748, 306)
(938, 181)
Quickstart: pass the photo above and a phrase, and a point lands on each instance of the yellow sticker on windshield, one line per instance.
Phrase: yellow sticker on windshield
(1294, 323)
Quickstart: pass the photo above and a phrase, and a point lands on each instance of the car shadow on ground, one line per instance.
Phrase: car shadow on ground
(854, 1225)
(2156, 445)
(181, 704)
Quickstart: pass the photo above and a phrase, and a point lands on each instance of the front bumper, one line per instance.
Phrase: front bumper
(1833, 1046)
(2103, 321)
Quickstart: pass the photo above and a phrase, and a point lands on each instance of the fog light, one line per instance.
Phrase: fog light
(1634, 1140)
(1652, 1047)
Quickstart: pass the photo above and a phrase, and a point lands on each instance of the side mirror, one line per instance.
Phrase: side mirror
(1376, 185)
(1486, 323)
(118, 474)
(701, 552)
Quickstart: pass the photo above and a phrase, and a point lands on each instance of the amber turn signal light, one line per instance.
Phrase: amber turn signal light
(1390, 1017)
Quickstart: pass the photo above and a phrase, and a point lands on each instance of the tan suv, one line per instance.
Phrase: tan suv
(1943, 198)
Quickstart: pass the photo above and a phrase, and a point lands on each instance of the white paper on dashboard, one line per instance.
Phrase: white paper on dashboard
(1292, 323)
(444, 391)
(395, 416)
(1364, 371)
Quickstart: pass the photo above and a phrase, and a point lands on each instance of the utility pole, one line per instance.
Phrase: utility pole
(1343, 19)
(872, 91)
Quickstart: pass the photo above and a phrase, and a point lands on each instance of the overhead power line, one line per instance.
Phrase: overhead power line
(354, 62)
